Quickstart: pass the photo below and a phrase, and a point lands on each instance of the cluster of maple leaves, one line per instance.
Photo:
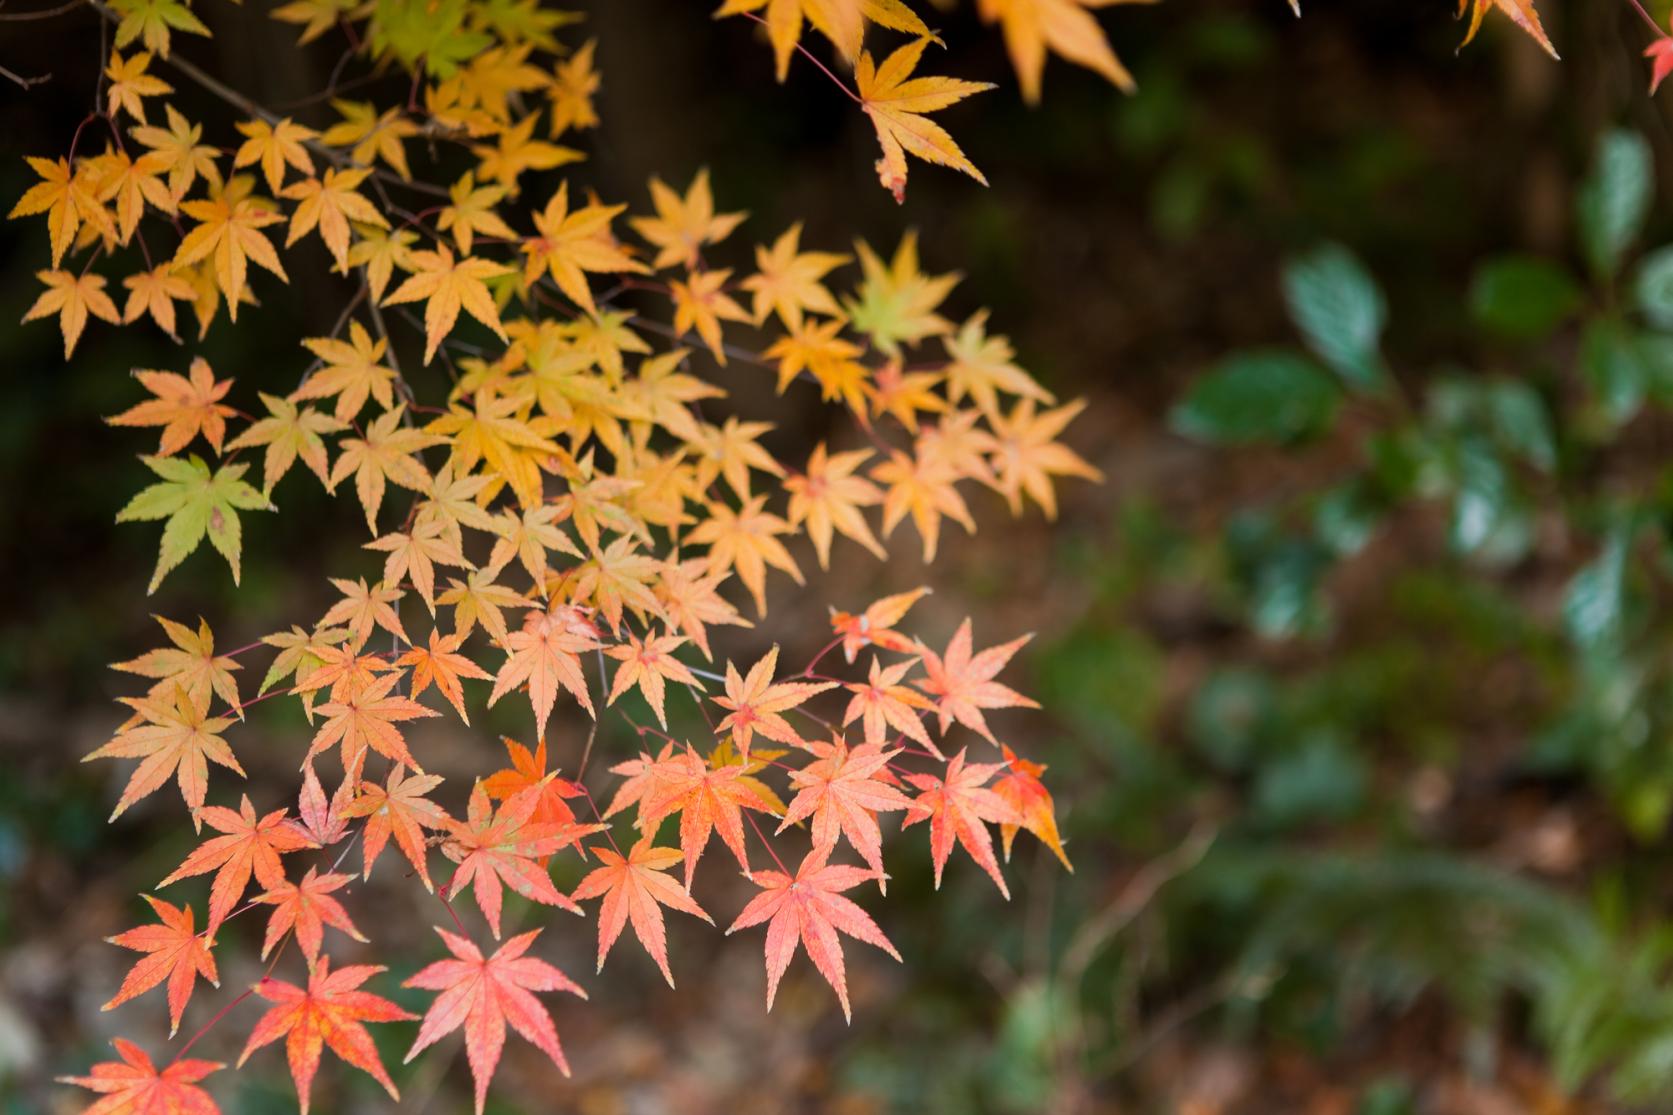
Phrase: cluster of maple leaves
(573, 507)
(578, 518)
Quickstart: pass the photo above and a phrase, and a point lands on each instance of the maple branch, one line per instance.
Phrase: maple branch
(1655, 28)
(45, 13)
(25, 82)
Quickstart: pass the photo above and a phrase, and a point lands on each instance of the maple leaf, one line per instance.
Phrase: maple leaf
(398, 809)
(367, 719)
(956, 807)
(249, 845)
(348, 672)
(876, 625)
(924, 486)
(154, 293)
(370, 134)
(902, 394)
(1660, 53)
(72, 297)
(634, 888)
(687, 591)
(494, 433)
(528, 768)
(755, 703)
(545, 655)
(379, 251)
(324, 822)
(963, 685)
(174, 952)
(332, 1011)
(135, 1085)
(809, 909)
(574, 81)
(68, 198)
(450, 502)
(515, 151)
(841, 21)
(289, 433)
(982, 366)
(482, 995)
(445, 286)
(175, 737)
(896, 303)
(882, 702)
(745, 541)
(196, 503)
(615, 578)
(843, 790)
(229, 231)
(701, 303)
(828, 498)
(329, 204)
(683, 225)
(473, 212)
(1521, 12)
(301, 655)
(643, 780)
(1064, 26)
(386, 453)
(130, 84)
(570, 244)
(306, 907)
(501, 847)
(364, 607)
(352, 371)
(441, 664)
(185, 407)
(1022, 789)
(415, 556)
(273, 145)
(731, 450)
(708, 799)
(896, 102)
(648, 664)
(477, 599)
(787, 280)
(190, 663)
(528, 537)
(184, 153)
(1027, 456)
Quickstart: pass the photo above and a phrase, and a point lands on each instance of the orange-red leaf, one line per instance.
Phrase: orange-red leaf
(134, 1086)
(174, 951)
(956, 807)
(632, 887)
(248, 846)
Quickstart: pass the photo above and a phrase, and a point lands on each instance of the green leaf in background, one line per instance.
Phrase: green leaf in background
(1614, 366)
(1279, 575)
(1592, 608)
(1346, 516)
(1521, 423)
(1654, 287)
(1523, 297)
(1340, 311)
(1322, 781)
(1255, 397)
(1488, 518)
(1614, 199)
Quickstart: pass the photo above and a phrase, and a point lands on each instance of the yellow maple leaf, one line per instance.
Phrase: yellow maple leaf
(230, 232)
(130, 84)
(330, 204)
(1066, 28)
(683, 225)
(701, 303)
(72, 297)
(273, 146)
(68, 198)
(569, 244)
(445, 285)
(841, 21)
(153, 292)
(896, 102)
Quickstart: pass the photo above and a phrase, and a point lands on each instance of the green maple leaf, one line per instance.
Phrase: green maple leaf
(195, 502)
(150, 20)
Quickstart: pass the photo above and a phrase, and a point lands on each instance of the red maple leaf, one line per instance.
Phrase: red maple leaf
(322, 821)
(504, 847)
(875, 626)
(308, 908)
(529, 769)
(1661, 54)
(482, 995)
(643, 780)
(249, 846)
(843, 791)
(963, 685)
(330, 1012)
(956, 807)
(632, 887)
(133, 1086)
(399, 809)
(811, 909)
(174, 951)
(442, 664)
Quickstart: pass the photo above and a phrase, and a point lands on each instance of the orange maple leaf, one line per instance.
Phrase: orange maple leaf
(134, 1084)
(896, 102)
(367, 719)
(650, 664)
(398, 808)
(174, 951)
(755, 703)
(634, 887)
(962, 684)
(843, 790)
(708, 799)
(494, 848)
(184, 407)
(956, 807)
(248, 846)
(331, 1011)
(876, 625)
(1021, 787)
(545, 655)
(306, 907)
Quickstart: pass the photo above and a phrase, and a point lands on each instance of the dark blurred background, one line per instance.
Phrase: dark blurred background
(1342, 864)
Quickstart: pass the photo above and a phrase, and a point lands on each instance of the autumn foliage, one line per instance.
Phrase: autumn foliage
(578, 517)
